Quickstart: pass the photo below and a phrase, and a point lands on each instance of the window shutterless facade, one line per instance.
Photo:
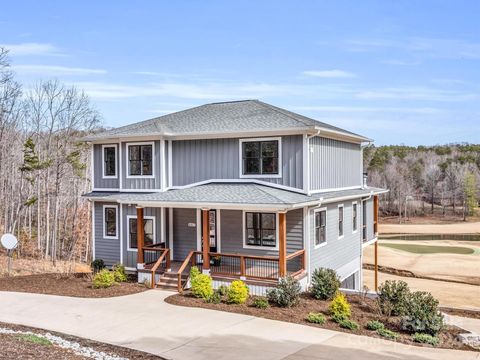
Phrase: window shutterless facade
(320, 219)
(354, 216)
(340, 221)
(109, 161)
(140, 160)
(110, 221)
(260, 230)
(260, 157)
(149, 228)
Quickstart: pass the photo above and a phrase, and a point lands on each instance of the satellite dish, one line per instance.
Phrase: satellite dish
(9, 241)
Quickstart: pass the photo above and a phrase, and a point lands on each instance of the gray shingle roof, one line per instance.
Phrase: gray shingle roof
(234, 116)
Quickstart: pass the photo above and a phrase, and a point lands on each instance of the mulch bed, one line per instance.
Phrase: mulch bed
(363, 310)
(76, 285)
(14, 347)
(474, 314)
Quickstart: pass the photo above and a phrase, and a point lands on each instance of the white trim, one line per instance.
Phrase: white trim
(128, 229)
(92, 161)
(260, 176)
(120, 166)
(170, 164)
(199, 230)
(244, 242)
(336, 189)
(93, 230)
(163, 166)
(105, 236)
(127, 163)
(116, 161)
(218, 230)
(306, 169)
(121, 234)
(306, 241)
(354, 203)
(322, 244)
(170, 232)
(343, 221)
(130, 268)
(369, 242)
(162, 225)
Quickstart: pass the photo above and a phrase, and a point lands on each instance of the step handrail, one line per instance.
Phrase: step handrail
(158, 263)
(190, 257)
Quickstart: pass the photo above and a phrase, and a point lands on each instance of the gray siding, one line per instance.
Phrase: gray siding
(334, 164)
(106, 249)
(142, 183)
(294, 230)
(98, 181)
(199, 160)
(184, 236)
(370, 232)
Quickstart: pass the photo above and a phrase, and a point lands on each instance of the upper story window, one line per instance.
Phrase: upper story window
(140, 159)
(109, 161)
(110, 222)
(340, 221)
(260, 229)
(261, 157)
(354, 217)
(320, 227)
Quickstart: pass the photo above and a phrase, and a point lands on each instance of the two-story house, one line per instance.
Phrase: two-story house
(241, 189)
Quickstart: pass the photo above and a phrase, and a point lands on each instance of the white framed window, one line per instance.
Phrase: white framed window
(260, 157)
(149, 228)
(320, 227)
(109, 161)
(110, 221)
(260, 230)
(140, 160)
(340, 221)
(354, 217)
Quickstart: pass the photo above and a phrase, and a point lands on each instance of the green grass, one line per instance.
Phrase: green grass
(35, 339)
(430, 249)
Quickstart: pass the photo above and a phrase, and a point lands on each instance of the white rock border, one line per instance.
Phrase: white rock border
(78, 349)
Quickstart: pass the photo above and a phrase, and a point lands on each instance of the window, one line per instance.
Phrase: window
(340, 221)
(110, 221)
(260, 229)
(320, 227)
(149, 228)
(109, 161)
(140, 159)
(354, 217)
(261, 157)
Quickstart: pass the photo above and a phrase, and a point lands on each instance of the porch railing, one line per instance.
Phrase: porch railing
(296, 263)
(151, 253)
(193, 259)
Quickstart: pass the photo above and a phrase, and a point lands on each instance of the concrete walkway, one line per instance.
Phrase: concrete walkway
(145, 322)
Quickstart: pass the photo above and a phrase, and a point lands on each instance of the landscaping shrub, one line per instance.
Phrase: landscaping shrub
(392, 335)
(216, 298)
(201, 286)
(339, 307)
(286, 293)
(222, 290)
(392, 297)
(375, 325)
(237, 292)
(97, 265)
(325, 283)
(422, 314)
(425, 339)
(348, 324)
(103, 279)
(316, 318)
(194, 272)
(261, 303)
(119, 273)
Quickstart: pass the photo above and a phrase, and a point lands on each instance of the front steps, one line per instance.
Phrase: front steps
(169, 281)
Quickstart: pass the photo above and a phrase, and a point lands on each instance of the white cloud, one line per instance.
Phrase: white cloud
(329, 73)
(417, 93)
(25, 49)
(369, 109)
(54, 70)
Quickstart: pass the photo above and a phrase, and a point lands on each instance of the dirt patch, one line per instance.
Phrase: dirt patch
(16, 347)
(76, 285)
(430, 228)
(461, 312)
(363, 310)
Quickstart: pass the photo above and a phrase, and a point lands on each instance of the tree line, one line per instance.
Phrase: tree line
(441, 179)
(43, 167)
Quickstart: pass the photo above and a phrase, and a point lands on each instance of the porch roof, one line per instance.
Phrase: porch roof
(229, 195)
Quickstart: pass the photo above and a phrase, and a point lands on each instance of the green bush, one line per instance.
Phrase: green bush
(216, 298)
(339, 307)
(348, 324)
(194, 272)
(97, 265)
(421, 314)
(392, 297)
(222, 290)
(261, 303)
(103, 279)
(237, 292)
(375, 325)
(325, 283)
(119, 273)
(201, 286)
(425, 339)
(316, 318)
(286, 293)
(387, 333)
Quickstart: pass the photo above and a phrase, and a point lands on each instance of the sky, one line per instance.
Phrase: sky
(400, 72)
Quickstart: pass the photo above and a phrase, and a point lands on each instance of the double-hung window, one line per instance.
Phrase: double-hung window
(261, 157)
(260, 229)
(110, 222)
(340, 221)
(140, 159)
(320, 227)
(109, 157)
(149, 228)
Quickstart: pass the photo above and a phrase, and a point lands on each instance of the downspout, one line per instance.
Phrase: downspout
(361, 245)
(362, 179)
(309, 245)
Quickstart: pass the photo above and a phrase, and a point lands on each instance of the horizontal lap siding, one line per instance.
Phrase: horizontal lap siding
(294, 230)
(200, 160)
(334, 164)
(184, 236)
(370, 232)
(139, 183)
(106, 249)
(98, 181)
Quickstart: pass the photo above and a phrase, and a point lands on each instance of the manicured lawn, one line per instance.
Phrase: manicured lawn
(430, 249)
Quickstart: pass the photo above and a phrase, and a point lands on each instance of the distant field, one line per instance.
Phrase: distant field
(429, 249)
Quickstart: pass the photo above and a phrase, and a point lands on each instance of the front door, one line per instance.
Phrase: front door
(212, 224)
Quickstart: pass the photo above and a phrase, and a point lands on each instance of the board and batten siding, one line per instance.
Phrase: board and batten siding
(184, 233)
(334, 164)
(205, 159)
(140, 183)
(106, 249)
(98, 181)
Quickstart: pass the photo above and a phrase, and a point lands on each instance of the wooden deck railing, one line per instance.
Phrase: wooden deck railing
(158, 258)
(296, 263)
(190, 261)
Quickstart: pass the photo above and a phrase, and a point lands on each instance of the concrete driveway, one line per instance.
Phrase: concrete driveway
(145, 322)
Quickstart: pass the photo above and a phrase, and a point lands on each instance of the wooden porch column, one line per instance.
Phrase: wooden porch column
(206, 240)
(376, 265)
(140, 235)
(282, 244)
